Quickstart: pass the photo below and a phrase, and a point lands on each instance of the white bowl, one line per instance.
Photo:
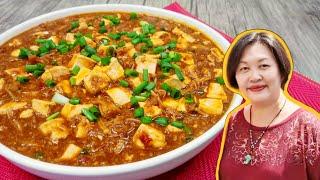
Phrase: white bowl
(136, 170)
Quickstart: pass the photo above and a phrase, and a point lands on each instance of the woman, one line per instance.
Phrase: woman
(270, 136)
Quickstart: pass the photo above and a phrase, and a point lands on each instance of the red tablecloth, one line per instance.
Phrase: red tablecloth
(204, 164)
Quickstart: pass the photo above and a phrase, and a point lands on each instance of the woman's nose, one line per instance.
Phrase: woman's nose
(255, 76)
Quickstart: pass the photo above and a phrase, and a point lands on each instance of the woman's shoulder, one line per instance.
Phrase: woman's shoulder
(307, 120)
(237, 115)
(306, 117)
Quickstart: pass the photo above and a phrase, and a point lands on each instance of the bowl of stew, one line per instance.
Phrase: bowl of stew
(110, 91)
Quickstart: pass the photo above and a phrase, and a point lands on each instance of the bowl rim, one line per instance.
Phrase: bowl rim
(133, 166)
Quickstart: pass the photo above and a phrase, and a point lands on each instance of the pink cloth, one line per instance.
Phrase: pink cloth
(204, 164)
(288, 151)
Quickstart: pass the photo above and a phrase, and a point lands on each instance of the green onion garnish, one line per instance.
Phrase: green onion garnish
(91, 117)
(53, 116)
(163, 121)
(175, 93)
(146, 120)
(50, 83)
(133, 16)
(140, 87)
(123, 83)
(115, 36)
(74, 101)
(145, 75)
(150, 86)
(178, 124)
(189, 98)
(178, 72)
(146, 94)
(220, 80)
(22, 79)
(158, 49)
(72, 81)
(95, 58)
(24, 53)
(75, 70)
(131, 72)
(139, 112)
(165, 87)
(105, 60)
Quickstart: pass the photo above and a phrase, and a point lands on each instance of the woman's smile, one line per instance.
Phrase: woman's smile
(257, 88)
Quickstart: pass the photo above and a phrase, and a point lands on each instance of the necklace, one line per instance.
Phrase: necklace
(249, 157)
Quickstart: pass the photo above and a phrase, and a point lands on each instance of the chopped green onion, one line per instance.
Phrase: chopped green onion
(104, 41)
(60, 99)
(145, 75)
(81, 41)
(105, 60)
(132, 34)
(178, 124)
(91, 117)
(164, 55)
(124, 83)
(24, 53)
(189, 98)
(95, 58)
(72, 81)
(53, 116)
(220, 80)
(139, 112)
(175, 93)
(166, 87)
(172, 45)
(147, 28)
(115, 36)
(175, 57)
(74, 24)
(121, 44)
(102, 29)
(74, 101)
(163, 121)
(146, 94)
(114, 19)
(50, 83)
(95, 111)
(148, 42)
(135, 41)
(140, 98)
(131, 72)
(89, 35)
(22, 79)
(111, 51)
(146, 120)
(150, 86)
(75, 70)
(140, 87)
(144, 49)
(158, 49)
(133, 16)
(134, 100)
(90, 50)
(178, 72)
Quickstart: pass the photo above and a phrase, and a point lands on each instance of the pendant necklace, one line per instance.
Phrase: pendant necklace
(249, 157)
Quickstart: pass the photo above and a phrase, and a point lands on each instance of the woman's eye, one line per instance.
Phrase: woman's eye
(243, 69)
(264, 66)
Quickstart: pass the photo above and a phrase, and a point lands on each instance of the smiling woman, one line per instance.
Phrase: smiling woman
(270, 136)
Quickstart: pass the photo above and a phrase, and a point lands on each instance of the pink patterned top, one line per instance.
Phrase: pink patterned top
(289, 150)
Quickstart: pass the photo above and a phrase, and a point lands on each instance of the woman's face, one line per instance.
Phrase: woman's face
(258, 75)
